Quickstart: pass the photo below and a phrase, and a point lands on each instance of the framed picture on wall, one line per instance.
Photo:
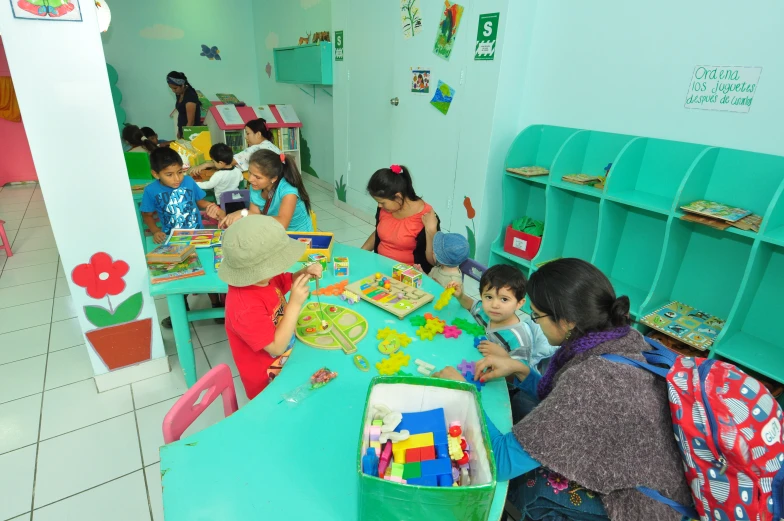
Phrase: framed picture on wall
(51, 10)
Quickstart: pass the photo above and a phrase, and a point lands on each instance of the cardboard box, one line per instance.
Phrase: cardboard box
(320, 242)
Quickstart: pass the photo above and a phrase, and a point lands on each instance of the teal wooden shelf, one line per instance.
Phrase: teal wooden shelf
(632, 230)
(304, 64)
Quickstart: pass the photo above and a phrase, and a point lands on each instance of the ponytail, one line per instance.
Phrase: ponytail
(260, 126)
(272, 165)
(386, 183)
(134, 136)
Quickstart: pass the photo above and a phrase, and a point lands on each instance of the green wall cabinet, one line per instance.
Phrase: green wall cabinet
(632, 230)
(304, 64)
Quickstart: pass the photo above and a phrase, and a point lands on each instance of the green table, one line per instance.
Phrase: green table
(273, 462)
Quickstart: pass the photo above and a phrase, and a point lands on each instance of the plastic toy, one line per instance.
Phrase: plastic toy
(333, 289)
(340, 266)
(444, 298)
(413, 455)
(345, 327)
(414, 441)
(412, 470)
(465, 366)
(375, 432)
(478, 340)
(469, 327)
(469, 376)
(430, 316)
(350, 297)
(370, 463)
(361, 363)
(397, 469)
(392, 364)
(393, 436)
(418, 320)
(391, 421)
(452, 332)
(424, 368)
(426, 333)
(375, 445)
(407, 275)
(437, 326)
(383, 460)
(395, 479)
(390, 295)
(434, 472)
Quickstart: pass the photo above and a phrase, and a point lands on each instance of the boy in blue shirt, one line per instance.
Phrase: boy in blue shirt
(174, 198)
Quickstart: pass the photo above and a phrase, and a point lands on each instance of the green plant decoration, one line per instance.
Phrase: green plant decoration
(340, 189)
(119, 112)
(306, 167)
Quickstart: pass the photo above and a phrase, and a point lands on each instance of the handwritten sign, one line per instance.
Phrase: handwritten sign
(722, 87)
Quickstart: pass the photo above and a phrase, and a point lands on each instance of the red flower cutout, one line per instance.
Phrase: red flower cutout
(101, 276)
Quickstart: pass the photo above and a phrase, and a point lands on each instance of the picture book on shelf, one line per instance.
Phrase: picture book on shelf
(707, 221)
(716, 210)
(581, 179)
(199, 238)
(217, 257)
(190, 267)
(689, 325)
(529, 171)
(228, 98)
(170, 253)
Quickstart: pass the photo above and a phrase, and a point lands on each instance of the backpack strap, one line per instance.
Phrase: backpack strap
(658, 371)
(681, 509)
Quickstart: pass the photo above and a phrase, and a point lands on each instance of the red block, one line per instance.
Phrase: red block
(427, 453)
(412, 455)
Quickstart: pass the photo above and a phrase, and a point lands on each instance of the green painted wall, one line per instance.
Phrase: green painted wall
(280, 23)
(148, 38)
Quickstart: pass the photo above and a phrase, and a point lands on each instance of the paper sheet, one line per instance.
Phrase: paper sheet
(287, 113)
(263, 111)
(230, 115)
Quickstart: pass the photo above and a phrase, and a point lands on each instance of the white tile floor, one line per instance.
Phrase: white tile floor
(66, 451)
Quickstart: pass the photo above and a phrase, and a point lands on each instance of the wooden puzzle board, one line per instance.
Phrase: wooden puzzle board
(351, 324)
(369, 291)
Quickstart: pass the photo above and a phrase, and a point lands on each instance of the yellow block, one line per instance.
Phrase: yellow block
(415, 441)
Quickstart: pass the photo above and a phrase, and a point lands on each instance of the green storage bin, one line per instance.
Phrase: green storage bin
(381, 500)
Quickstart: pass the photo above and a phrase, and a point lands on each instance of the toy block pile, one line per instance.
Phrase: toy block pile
(469, 327)
(391, 340)
(468, 370)
(444, 298)
(430, 326)
(333, 289)
(393, 363)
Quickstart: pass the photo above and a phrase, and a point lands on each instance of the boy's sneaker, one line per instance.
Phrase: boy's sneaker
(219, 320)
(166, 322)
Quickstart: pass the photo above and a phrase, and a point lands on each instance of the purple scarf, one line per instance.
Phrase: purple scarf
(567, 352)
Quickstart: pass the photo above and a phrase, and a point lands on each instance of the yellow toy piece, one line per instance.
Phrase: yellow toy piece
(392, 340)
(415, 441)
(383, 333)
(435, 326)
(425, 333)
(455, 450)
(444, 298)
(392, 364)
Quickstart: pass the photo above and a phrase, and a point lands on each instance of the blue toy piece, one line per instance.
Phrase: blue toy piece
(426, 421)
(425, 481)
(440, 469)
(478, 340)
(469, 376)
(370, 462)
(442, 450)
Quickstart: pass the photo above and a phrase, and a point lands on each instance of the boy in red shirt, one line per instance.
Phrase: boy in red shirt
(259, 322)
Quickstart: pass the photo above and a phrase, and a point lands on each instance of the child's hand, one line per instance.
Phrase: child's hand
(315, 269)
(449, 373)
(491, 367)
(430, 221)
(300, 290)
(488, 348)
(159, 237)
(458, 288)
(229, 219)
(214, 211)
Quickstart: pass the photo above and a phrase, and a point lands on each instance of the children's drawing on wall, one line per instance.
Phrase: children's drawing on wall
(212, 53)
(119, 339)
(447, 29)
(420, 81)
(268, 70)
(442, 99)
(411, 18)
(60, 10)
(340, 189)
(305, 155)
(470, 232)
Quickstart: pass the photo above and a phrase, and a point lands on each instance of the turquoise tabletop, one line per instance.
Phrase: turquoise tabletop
(274, 461)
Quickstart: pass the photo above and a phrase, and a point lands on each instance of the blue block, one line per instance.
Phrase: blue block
(426, 421)
(478, 340)
(436, 467)
(442, 450)
(370, 462)
(445, 480)
(477, 383)
(425, 481)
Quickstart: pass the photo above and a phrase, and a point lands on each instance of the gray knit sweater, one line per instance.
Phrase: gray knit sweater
(607, 426)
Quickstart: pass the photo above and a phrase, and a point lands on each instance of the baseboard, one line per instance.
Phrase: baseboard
(370, 219)
(318, 182)
(135, 373)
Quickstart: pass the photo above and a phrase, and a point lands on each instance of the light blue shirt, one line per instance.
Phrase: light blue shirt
(524, 340)
(300, 221)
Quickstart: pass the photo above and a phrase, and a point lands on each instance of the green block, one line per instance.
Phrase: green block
(412, 470)
(402, 373)
(397, 470)
(417, 320)
(378, 423)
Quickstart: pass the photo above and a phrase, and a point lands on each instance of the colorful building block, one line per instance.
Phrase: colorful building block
(442, 450)
(397, 270)
(469, 376)
(426, 333)
(440, 468)
(397, 470)
(427, 453)
(444, 298)
(412, 455)
(340, 266)
(350, 297)
(370, 463)
(469, 327)
(452, 332)
(376, 446)
(424, 481)
(384, 459)
(435, 325)
(465, 367)
(385, 332)
(395, 479)
(433, 421)
(375, 432)
(317, 257)
(418, 320)
(412, 470)
(415, 441)
(392, 364)
(478, 340)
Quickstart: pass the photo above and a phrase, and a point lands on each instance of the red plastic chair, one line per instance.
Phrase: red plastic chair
(218, 381)
(3, 237)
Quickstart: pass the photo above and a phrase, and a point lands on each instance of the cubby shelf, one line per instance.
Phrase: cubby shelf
(633, 231)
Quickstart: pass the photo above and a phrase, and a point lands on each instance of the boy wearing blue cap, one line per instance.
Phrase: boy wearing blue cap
(450, 251)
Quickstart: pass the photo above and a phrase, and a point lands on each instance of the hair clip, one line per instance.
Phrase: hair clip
(283, 158)
(396, 169)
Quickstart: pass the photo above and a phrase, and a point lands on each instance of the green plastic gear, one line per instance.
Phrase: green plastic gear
(418, 320)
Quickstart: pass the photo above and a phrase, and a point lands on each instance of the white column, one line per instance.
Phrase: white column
(59, 73)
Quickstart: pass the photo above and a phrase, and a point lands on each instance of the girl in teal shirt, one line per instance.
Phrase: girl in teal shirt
(277, 190)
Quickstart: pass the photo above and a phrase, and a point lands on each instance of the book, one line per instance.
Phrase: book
(190, 267)
(204, 102)
(750, 222)
(529, 171)
(217, 257)
(690, 326)
(199, 238)
(716, 210)
(170, 253)
(707, 221)
(581, 179)
(231, 99)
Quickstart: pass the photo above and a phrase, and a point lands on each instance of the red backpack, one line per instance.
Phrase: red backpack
(728, 428)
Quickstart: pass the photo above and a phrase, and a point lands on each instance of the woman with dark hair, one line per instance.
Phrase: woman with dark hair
(600, 429)
(405, 224)
(258, 137)
(188, 106)
(136, 139)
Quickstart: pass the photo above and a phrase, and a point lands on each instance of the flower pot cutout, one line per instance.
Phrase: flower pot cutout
(120, 339)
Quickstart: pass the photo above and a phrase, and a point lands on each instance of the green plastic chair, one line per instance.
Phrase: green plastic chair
(138, 165)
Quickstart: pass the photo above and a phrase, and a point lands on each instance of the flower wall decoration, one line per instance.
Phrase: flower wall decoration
(470, 232)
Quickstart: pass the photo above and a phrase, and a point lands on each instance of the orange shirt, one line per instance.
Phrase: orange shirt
(398, 236)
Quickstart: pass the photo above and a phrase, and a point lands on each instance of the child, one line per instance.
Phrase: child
(136, 139)
(502, 289)
(450, 251)
(259, 323)
(151, 135)
(226, 177)
(277, 190)
(258, 137)
(405, 224)
(174, 197)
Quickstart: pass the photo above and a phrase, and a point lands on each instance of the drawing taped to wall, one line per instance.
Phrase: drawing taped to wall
(420, 80)
(54, 10)
(411, 18)
(447, 29)
(442, 99)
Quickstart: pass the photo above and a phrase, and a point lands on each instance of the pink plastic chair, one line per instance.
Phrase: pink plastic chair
(3, 237)
(218, 381)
